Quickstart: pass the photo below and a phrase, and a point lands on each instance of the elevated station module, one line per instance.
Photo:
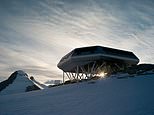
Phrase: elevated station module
(87, 62)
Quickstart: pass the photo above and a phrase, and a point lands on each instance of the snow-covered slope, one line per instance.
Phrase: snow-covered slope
(109, 96)
(19, 83)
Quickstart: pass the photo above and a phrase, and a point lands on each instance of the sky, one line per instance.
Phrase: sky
(36, 34)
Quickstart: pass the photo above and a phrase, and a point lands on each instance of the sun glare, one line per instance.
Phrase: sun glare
(102, 74)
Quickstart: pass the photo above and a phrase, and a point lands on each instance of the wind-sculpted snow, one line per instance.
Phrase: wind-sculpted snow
(109, 96)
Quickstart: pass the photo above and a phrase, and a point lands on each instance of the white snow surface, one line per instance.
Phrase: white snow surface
(109, 96)
(19, 84)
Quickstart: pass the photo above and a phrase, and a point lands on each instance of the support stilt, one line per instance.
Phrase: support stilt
(63, 77)
(91, 70)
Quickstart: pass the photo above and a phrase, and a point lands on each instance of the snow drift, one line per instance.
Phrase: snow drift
(109, 96)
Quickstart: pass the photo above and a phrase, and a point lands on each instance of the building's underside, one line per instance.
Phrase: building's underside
(88, 62)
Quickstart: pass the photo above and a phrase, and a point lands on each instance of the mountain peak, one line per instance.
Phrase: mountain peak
(18, 82)
(22, 73)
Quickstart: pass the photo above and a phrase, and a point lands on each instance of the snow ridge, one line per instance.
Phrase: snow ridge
(16, 83)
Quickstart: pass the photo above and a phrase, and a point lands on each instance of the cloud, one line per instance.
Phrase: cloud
(36, 34)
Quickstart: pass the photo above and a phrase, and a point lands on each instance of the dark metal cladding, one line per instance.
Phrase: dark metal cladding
(98, 54)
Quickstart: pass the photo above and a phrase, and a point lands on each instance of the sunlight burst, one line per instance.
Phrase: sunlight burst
(102, 74)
